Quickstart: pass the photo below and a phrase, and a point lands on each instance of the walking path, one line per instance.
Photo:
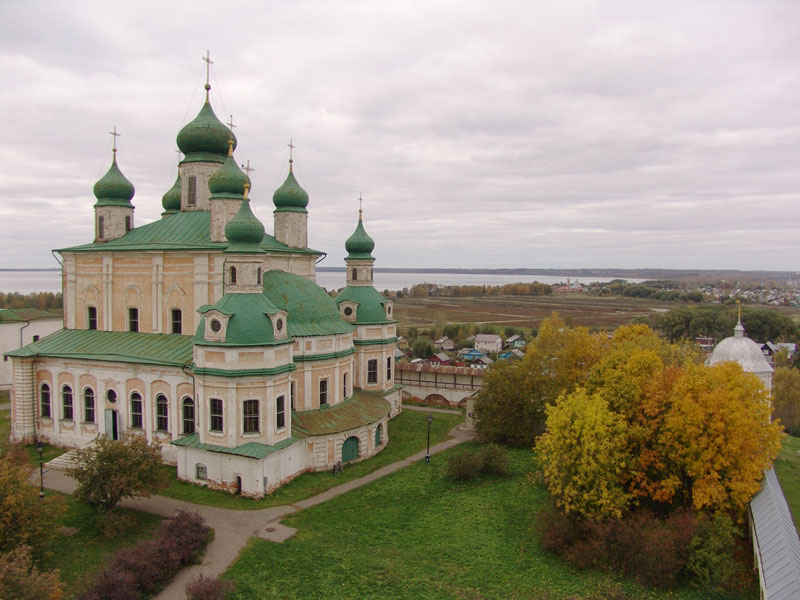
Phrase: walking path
(233, 528)
(447, 411)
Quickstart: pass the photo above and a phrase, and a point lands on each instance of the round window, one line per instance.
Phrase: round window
(279, 324)
(215, 325)
(348, 311)
(111, 395)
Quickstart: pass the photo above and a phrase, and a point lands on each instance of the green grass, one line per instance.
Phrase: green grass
(5, 424)
(407, 435)
(48, 453)
(79, 556)
(415, 534)
(787, 467)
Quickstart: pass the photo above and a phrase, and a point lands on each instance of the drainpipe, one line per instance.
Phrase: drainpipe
(27, 323)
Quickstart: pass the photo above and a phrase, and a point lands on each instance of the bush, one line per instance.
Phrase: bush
(494, 460)
(20, 579)
(205, 588)
(146, 567)
(464, 466)
(711, 555)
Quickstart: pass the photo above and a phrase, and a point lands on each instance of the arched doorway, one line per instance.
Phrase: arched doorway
(350, 449)
(378, 435)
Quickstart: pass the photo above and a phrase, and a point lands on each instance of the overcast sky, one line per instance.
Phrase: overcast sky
(557, 134)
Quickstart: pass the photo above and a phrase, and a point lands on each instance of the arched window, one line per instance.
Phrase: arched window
(44, 400)
(233, 275)
(88, 405)
(355, 274)
(200, 472)
(258, 276)
(378, 435)
(188, 415)
(162, 413)
(66, 403)
(137, 419)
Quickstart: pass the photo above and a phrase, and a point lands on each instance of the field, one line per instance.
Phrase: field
(787, 468)
(416, 534)
(526, 311)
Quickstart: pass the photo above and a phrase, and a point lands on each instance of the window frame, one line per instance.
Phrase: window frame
(372, 371)
(344, 385)
(101, 227)
(232, 275)
(248, 420)
(162, 413)
(44, 389)
(188, 403)
(176, 312)
(88, 405)
(200, 468)
(388, 369)
(280, 412)
(133, 318)
(66, 394)
(216, 418)
(91, 317)
(191, 190)
(136, 398)
(292, 393)
(323, 392)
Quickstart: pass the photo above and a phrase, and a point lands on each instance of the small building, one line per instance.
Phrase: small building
(469, 355)
(440, 358)
(515, 341)
(445, 344)
(19, 327)
(488, 342)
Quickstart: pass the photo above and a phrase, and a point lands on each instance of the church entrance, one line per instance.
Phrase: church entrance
(112, 424)
(350, 449)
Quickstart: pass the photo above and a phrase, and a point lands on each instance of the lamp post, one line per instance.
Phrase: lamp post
(40, 449)
(428, 453)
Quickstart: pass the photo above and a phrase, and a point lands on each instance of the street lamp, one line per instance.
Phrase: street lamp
(40, 449)
(428, 453)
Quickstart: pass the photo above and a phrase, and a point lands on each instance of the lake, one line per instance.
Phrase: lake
(26, 282)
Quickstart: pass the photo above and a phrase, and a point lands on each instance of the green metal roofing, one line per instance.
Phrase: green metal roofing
(311, 310)
(370, 309)
(229, 180)
(171, 201)
(249, 450)
(244, 231)
(248, 324)
(362, 409)
(20, 315)
(113, 188)
(290, 196)
(205, 136)
(359, 245)
(113, 346)
(188, 230)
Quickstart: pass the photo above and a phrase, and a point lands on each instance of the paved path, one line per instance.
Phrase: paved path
(233, 528)
(447, 411)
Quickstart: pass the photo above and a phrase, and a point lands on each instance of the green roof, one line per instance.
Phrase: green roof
(362, 409)
(290, 196)
(113, 346)
(229, 180)
(244, 231)
(359, 245)
(248, 325)
(370, 308)
(311, 310)
(205, 137)
(171, 201)
(113, 188)
(188, 230)
(18, 315)
(250, 449)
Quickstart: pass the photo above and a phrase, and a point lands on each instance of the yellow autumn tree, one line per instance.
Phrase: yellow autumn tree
(584, 456)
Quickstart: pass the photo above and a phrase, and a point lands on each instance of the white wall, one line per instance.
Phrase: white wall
(16, 335)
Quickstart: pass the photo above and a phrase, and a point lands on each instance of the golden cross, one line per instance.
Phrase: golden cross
(231, 125)
(247, 168)
(291, 150)
(115, 136)
(360, 200)
(209, 62)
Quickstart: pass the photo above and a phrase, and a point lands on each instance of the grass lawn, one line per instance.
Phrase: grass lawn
(5, 424)
(80, 555)
(415, 534)
(407, 435)
(787, 467)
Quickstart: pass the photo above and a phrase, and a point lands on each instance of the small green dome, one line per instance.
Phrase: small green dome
(113, 189)
(290, 196)
(371, 306)
(171, 201)
(248, 323)
(359, 245)
(205, 135)
(244, 231)
(228, 181)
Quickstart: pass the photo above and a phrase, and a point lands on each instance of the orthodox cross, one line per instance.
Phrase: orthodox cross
(114, 135)
(209, 62)
(360, 200)
(247, 168)
(291, 153)
(230, 124)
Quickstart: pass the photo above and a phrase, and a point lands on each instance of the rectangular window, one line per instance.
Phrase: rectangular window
(162, 413)
(177, 321)
(133, 319)
(127, 224)
(200, 472)
(101, 227)
(251, 416)
(44, 397)
(388, 369)
(292, 390)
(136, 411)
(217, 421)
(88, 405)
(280, 412)
(92, 317)
(372, 371)
(344, 386)
(36, 338)
(191, 198)
(66, 397)
(323, 392)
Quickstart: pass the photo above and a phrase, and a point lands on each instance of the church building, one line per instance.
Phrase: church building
(210, 336)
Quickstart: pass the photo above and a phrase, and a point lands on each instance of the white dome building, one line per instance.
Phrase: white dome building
(744, 351)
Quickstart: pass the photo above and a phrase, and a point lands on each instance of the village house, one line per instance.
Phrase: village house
(488, 342)
(445, 344)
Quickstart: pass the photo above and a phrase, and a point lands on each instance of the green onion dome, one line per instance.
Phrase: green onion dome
(359, 245)
(229, 180)
(171, 201)
(244, 231)
(205, 138)
(113, 189)
(290, 196)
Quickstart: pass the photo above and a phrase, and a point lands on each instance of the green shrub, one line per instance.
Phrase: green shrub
(712, 562)
(494, 460)
(464, 466)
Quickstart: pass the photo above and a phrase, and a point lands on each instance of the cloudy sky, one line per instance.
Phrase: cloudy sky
(557, 134)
